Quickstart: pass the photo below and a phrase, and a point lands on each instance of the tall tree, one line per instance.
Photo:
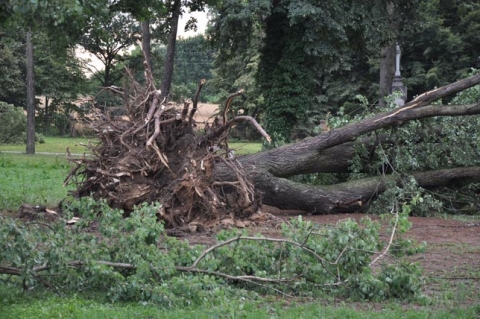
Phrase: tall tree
(305, 42)
(12, 83)
(107, 38)
(165, 15)
(64, 18)
(30, 95)
(443, 47)
(167, 78)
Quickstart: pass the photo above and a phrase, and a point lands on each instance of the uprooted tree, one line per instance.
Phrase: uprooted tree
(156, 154)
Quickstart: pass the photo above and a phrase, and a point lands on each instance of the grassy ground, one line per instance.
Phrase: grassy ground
(44, 304)
(75, 145)
(52, 145)
(35, 180)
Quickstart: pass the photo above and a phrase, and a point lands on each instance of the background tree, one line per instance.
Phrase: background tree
(193, 62)
(444, 47)
(305, 45)
(64, 18)
(108, 39)
(12, 64)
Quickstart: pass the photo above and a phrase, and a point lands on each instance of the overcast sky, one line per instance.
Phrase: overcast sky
(201, 25)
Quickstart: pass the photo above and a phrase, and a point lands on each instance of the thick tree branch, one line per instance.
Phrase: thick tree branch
(351, 196)
(306, 152)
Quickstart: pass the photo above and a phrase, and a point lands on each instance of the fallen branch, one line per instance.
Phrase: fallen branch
(385, 251)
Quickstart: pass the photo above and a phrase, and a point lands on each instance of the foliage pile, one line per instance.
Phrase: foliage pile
(133, 259)
(154, 153)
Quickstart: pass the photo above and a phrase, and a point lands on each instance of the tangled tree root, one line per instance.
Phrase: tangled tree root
(154, 154)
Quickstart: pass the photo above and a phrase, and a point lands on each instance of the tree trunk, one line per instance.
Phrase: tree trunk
(331, 151)
(146, 43)
(46, 120)
(387, 58)
(387, 71)
(30, 96)
(170, 57)
(353, 196)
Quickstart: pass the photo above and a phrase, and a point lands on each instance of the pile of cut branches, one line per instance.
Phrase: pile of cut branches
(155, 154)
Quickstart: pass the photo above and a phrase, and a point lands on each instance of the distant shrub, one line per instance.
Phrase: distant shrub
(14, 123)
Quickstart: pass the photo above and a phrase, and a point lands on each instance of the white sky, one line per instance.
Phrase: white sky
(201, 24)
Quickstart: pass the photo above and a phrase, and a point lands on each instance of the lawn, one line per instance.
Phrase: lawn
(34, 180)
(53, 145)
(58, 145)
(45, 305)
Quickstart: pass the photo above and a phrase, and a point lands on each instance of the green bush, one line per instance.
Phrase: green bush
(14, 123)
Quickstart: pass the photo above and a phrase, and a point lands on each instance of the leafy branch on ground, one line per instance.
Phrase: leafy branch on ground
(133, 259)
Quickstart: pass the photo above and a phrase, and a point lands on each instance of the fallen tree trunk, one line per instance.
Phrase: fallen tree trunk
(331, 152)
(157, 156)
(353, 196)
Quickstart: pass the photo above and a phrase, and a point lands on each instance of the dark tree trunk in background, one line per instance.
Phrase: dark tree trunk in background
(30, 96)
(46, 120)
(387, 58)
(146, 43)
(169, 58)
(387, 71)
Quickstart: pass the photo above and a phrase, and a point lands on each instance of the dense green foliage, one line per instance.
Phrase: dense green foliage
(303, 44)
(11, 66)
(14, 123)
(132, 259)
(443, 48)
(316, 57)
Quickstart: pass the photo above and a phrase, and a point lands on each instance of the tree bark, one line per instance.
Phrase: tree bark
(353, 196)
(331, 151)
(387, 57)
(170, 56)
(146, 43)
(30, 96)
(387, 71)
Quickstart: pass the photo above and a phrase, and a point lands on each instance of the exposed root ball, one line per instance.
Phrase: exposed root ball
(154, 154)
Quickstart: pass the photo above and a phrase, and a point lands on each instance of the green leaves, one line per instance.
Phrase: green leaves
(14, 123)
(131, 258)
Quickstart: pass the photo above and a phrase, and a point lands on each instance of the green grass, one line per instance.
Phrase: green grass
(40, 304)
(60, 144)
(52, 145)
(245, 148)
(38, 179)
(32, 179)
